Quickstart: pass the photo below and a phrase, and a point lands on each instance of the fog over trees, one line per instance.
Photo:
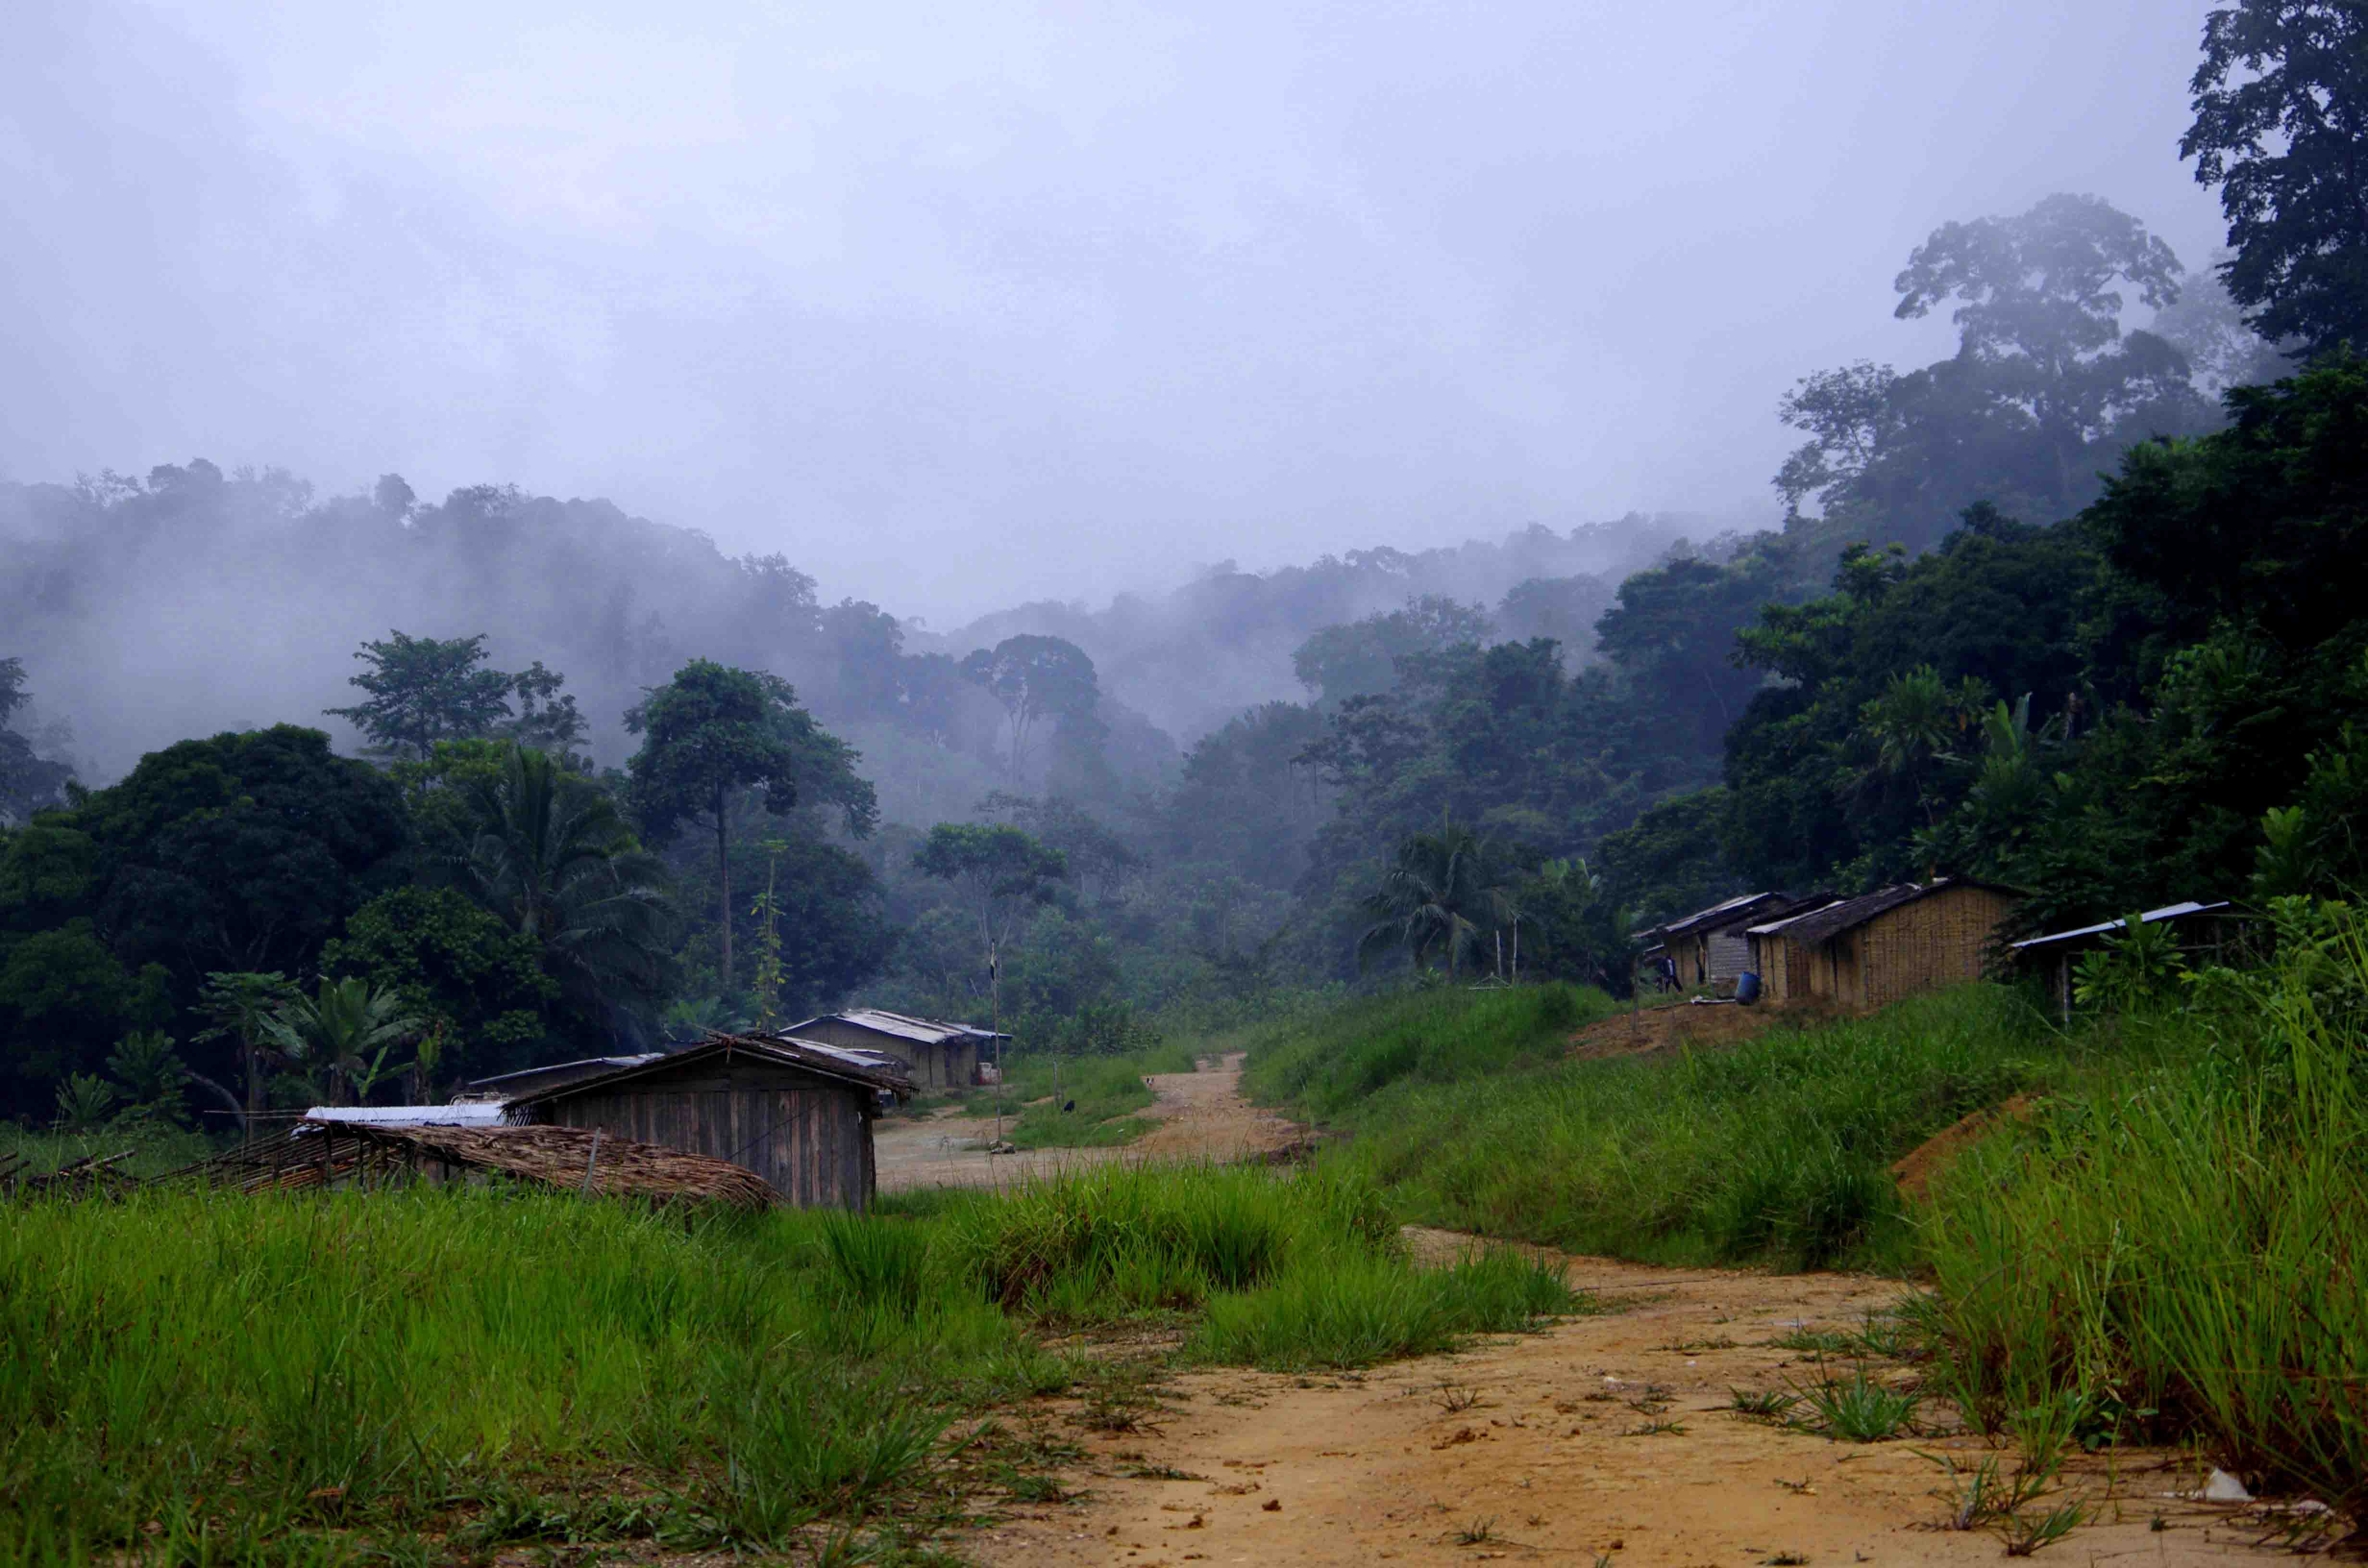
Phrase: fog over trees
(2060, 592)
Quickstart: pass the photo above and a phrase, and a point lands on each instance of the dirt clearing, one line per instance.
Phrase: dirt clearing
(1603, 1440)
(1201, 1116)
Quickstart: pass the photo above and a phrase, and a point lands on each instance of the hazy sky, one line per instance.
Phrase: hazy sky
(962, 302)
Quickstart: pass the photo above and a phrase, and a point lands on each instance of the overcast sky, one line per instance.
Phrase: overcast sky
(965, 303)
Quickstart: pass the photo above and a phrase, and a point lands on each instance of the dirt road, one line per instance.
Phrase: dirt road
(1545, 1449)
(1201, 1116)
(1604, 1441)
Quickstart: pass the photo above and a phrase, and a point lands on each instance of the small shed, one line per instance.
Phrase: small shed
(2209, 930)
(1876, 949)
(796, 1112)
(936, 1054)
(1709, 946)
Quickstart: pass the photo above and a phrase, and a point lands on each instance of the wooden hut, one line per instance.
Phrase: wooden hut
(937, 1056)
(1709, 946)
(1897, 941)
(1782, 967)
(797, 1113)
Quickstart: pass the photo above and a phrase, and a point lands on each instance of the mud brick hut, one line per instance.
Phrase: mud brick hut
(937, 1056)
(795, 1112)
(1895, 942)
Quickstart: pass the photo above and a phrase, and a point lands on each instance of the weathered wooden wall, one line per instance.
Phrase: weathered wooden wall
(809, 1138)
(944, 1066)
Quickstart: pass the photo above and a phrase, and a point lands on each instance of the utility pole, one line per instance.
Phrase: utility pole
(994, 1016)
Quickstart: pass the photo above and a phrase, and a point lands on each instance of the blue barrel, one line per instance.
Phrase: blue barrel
(1747, 988)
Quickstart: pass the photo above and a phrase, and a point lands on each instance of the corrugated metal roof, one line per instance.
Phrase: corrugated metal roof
(1826, 923)
(2145, 917)
(1774, 926)
(810, 1056)
(1715, 912)
(484, 1114)
(922, 1032)
(603, 1062)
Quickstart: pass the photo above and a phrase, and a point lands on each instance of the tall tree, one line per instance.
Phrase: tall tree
(1002, 872)
(712, 733)
(2281, 126)
(27, 780)
(424, 689)
(1035, 678)
(2045, 388)
(552, 857)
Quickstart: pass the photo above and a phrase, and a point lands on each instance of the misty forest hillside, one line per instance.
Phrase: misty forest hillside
(290, 779)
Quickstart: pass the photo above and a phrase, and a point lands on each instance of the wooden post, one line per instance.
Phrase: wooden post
(589, 1161)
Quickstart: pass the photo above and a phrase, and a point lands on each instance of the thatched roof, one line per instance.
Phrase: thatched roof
(1826, 923)
(571, 1159)
(856, 1070)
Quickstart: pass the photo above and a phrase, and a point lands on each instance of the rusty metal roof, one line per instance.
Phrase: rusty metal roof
(921, 1031)
(805, 1055)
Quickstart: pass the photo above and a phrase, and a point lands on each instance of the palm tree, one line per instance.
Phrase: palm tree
(1433, 899)
(553, 857)
(340, 1038)
(240, 1005)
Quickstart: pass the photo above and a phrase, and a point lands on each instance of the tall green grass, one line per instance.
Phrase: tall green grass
(207, 1377)
(1328, 1064)
(1467, 1109)
(2180, 1247)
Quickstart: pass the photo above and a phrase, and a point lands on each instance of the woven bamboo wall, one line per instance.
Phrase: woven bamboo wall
(809, 1138)
(1783, 968)
(1935, 942)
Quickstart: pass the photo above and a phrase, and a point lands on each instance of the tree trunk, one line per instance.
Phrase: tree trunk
(253, 1080)
(724, 882)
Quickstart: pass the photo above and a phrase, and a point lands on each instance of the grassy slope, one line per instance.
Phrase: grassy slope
(2173, 1247)
(350, 1376)
(1465, 1107)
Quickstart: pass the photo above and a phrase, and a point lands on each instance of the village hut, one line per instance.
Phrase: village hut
(1709, 946)
(937, 1056)
(2210, 932)
(1897, 941)
(796, 1112)
(1782, 967)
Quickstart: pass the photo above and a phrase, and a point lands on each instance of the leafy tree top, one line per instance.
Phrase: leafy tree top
(424, 689)
(712, 730)
(2281, 126)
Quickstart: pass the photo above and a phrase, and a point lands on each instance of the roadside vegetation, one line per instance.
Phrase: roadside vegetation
(2166, 1249)
(1466, 1107)
(415, 1376)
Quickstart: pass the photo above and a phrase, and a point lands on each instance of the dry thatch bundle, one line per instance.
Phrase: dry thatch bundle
(326, 1153)
(80, 1178)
